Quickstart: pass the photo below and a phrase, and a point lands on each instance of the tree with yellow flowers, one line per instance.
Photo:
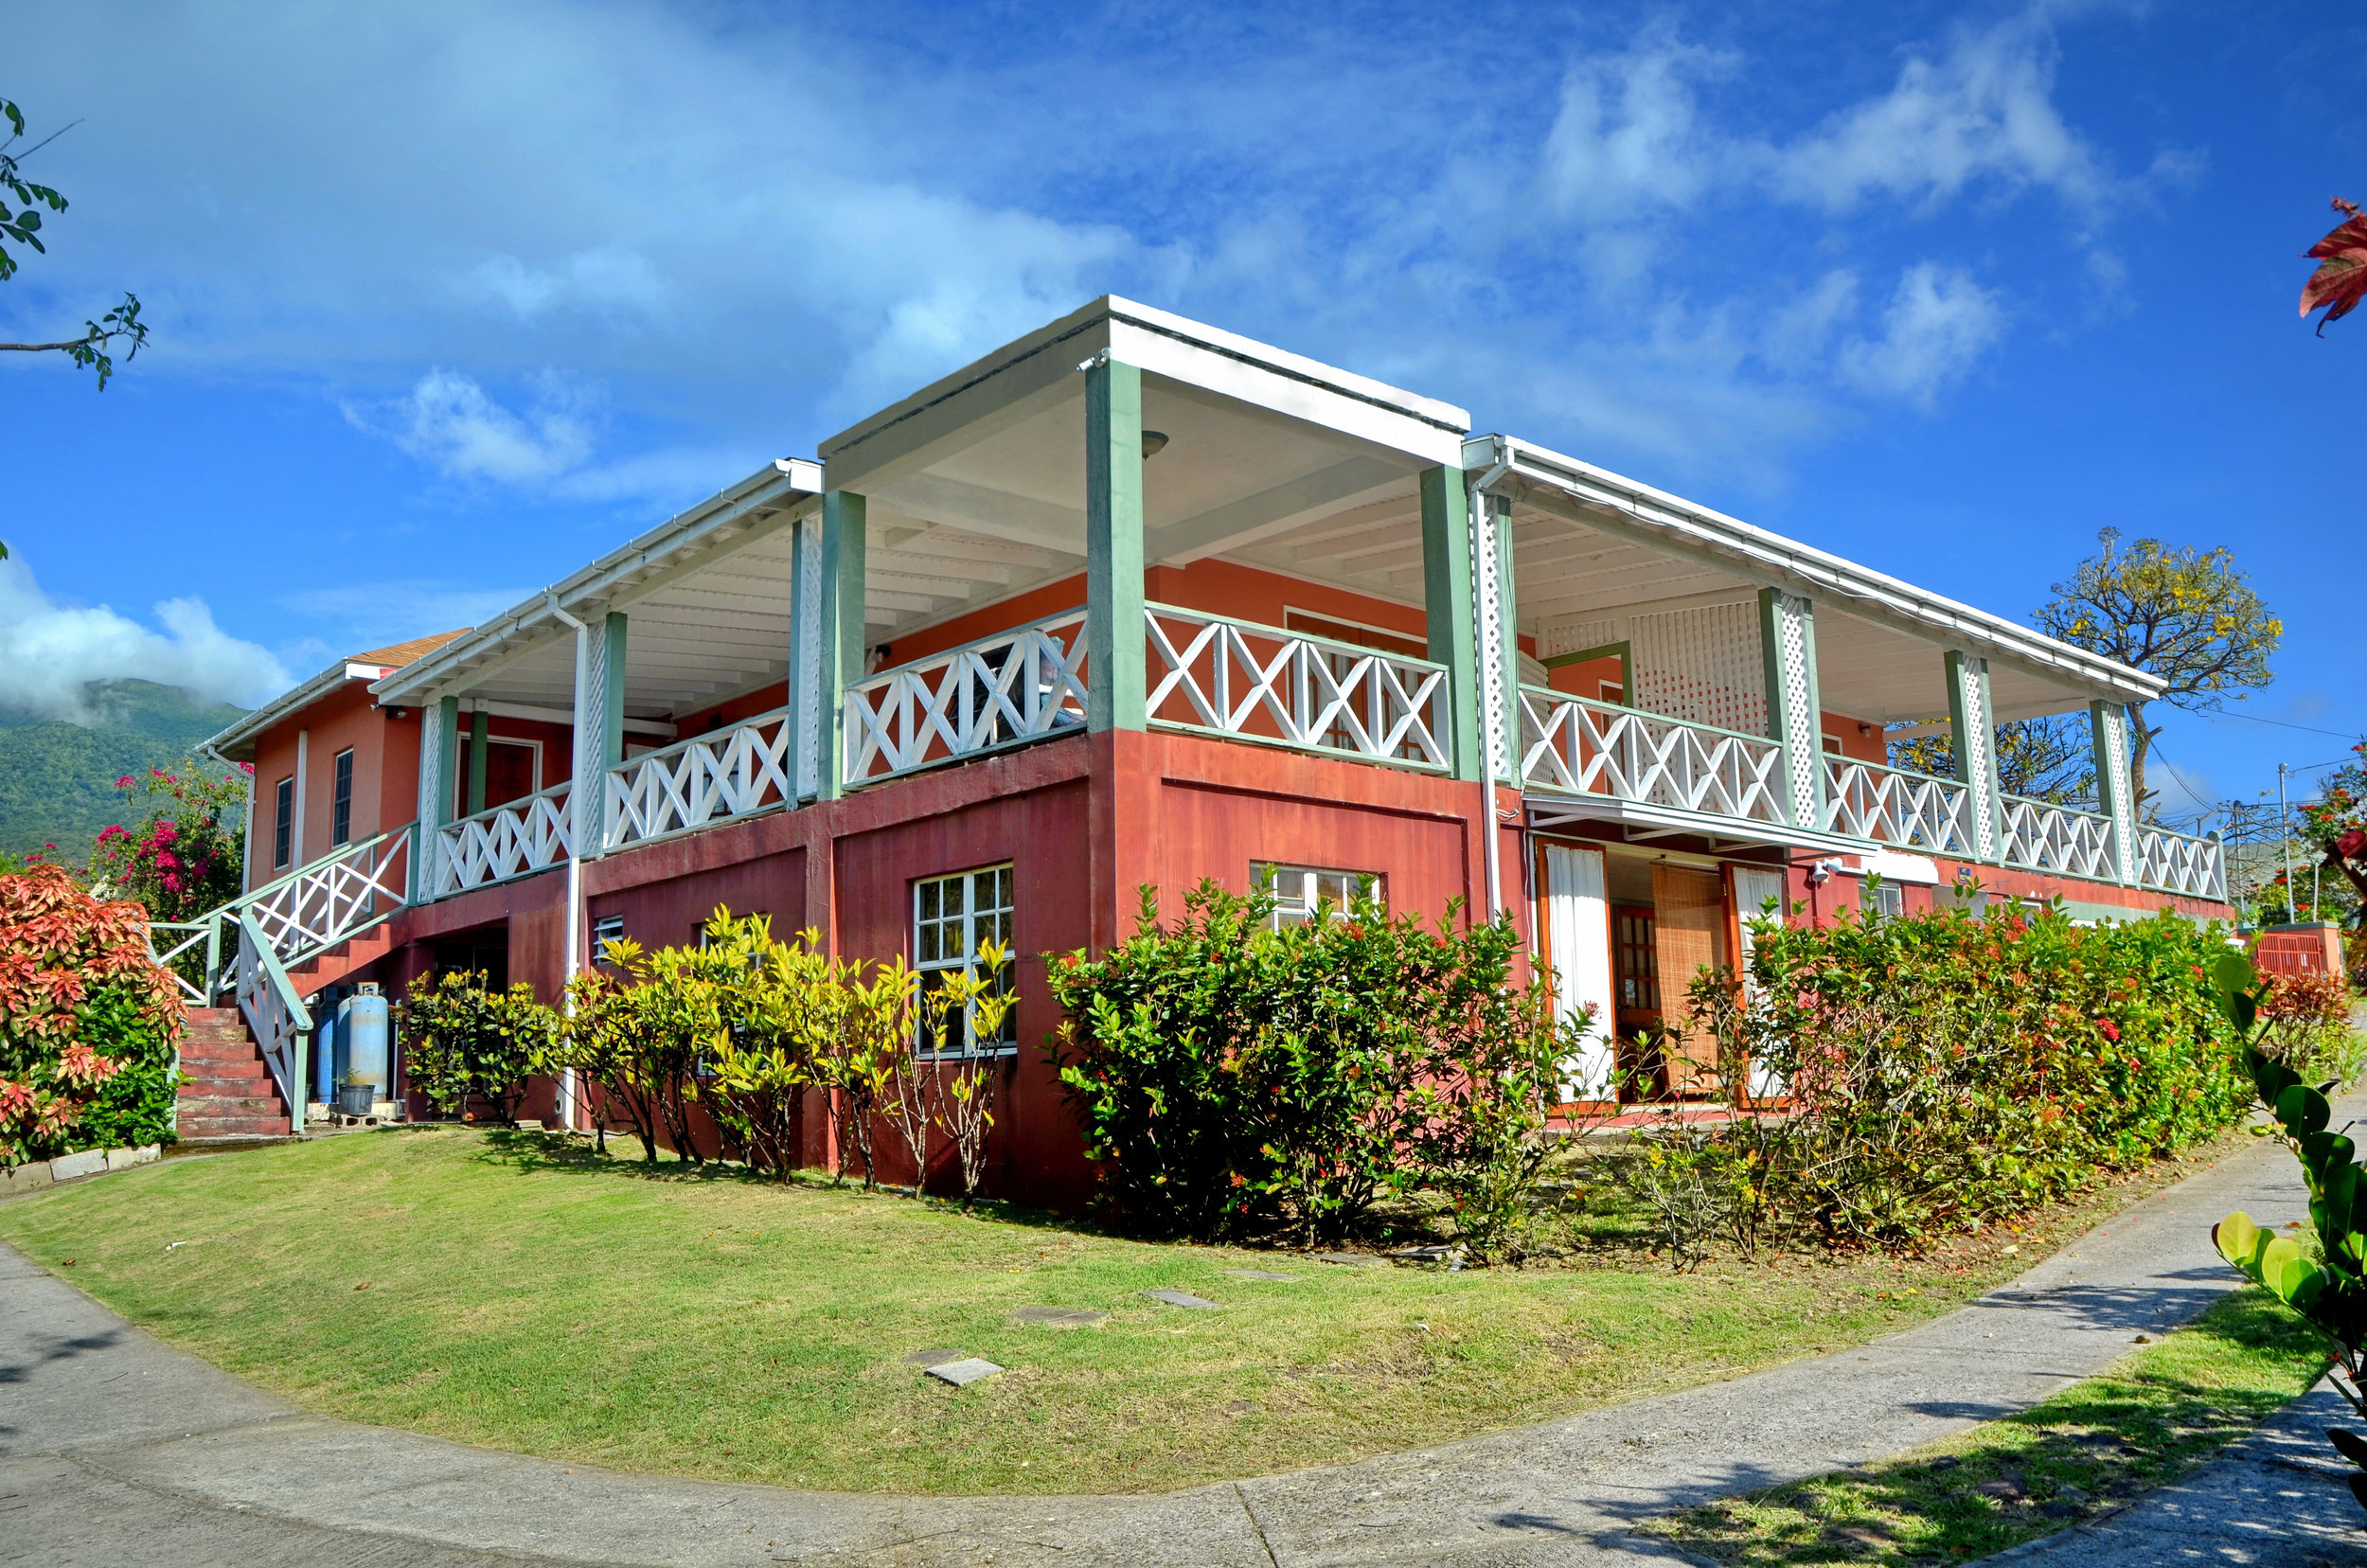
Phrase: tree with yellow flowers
(2186, 615)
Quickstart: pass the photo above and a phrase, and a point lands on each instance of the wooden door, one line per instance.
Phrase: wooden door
(1689, 921)
(1636, 968)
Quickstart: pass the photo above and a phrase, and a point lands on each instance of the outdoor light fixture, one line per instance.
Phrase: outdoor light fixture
(1154, 442)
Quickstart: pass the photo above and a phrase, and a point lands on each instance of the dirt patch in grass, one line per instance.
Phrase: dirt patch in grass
(2157, 1414)
(527, 1296)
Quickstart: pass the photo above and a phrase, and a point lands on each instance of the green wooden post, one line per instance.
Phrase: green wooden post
(477, 722)
(1116, 642)
(447, 721)
(1446, 611)
(612, 714)
(844, 516)
(1795, 713)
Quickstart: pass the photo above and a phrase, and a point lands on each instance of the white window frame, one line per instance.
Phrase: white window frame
(1301, 891)
(947, 935)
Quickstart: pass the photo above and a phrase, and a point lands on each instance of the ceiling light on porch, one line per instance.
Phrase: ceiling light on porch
(1154, 442)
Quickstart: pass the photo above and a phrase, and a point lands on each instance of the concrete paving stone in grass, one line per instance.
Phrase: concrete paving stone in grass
(935, 1356)
(1059, 1317)
(1266, 1274)
(1353, 1260)
(1182, 1298)
(961, 1374)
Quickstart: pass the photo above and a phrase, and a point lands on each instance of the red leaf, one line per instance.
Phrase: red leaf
(2341, 276)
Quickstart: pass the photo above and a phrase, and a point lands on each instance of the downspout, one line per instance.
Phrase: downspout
(1491, 674)
(575, 860)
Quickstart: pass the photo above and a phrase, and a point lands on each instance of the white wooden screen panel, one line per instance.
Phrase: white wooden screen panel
(1577, 938)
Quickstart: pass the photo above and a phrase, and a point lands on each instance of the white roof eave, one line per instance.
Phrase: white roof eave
(1656, 517)
(794, 478)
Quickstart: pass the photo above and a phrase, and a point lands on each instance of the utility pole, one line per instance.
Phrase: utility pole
(2284, 833)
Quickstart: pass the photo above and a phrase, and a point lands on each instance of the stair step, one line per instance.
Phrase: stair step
(234, 1130)
(231, 1105)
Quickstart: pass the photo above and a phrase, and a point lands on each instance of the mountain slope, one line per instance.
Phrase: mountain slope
(57, 780)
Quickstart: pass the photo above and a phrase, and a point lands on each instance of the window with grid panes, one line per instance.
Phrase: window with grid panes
(1303, 892)
(954, 916)
(340, 800)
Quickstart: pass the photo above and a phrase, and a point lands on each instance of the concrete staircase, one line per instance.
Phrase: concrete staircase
(226, 1092)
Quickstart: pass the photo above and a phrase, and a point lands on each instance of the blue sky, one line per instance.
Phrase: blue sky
(449, 297)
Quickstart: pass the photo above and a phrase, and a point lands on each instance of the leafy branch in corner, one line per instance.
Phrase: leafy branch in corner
(2341, 276)
(21, 204)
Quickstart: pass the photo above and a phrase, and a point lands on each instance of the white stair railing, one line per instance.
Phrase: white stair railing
(1574, 745)
(2179, 863)
(275, 1014)
(313, 908)
(709, 778)
(1013, 688)
(506, 841)
(2043, 836)
(1257, 683)
(1914, 810)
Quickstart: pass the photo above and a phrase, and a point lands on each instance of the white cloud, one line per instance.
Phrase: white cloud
(1627, 139)
(448, 422)
(1982, 109)
(1938, 323)
(606, 279)
(50, 652)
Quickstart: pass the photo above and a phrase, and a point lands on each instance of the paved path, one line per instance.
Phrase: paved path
(115, 1449)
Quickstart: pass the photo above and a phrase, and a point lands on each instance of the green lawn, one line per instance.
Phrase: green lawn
(2158, 1414)
(517, 1291)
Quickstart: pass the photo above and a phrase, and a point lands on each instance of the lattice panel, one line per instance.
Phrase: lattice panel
(1704, 665)
(1495, 681)
(1980, 747)
(1797, 692)
(806, 633)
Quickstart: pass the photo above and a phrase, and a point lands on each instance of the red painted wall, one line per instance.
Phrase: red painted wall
(386, 772)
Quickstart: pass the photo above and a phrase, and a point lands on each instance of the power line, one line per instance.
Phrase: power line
(2287, 724)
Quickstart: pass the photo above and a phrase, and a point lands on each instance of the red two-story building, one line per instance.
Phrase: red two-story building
(1129, 602)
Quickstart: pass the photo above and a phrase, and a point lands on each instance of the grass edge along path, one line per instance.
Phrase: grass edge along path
(2157, 1414)
(515, 1291)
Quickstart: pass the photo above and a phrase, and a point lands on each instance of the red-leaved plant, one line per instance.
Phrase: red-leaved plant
(2342, 275)
(75, 976)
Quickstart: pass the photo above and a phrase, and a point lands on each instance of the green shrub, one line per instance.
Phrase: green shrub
(1233, 1078)
(1947, 1068)
(465, 1041)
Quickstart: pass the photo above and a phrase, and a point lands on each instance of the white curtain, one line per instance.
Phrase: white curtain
(1577, 938)
(1752, 889)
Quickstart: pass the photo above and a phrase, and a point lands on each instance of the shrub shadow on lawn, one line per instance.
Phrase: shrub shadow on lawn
(527, 1152)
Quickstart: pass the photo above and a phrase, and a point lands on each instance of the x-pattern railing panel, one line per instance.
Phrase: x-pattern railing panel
(711, 778)
(1887, 805)
(2047, 837)
(2178, 863)
(334, 898)
(1240, 679)
(1576, 745)
(507, 841)
(1015, 686)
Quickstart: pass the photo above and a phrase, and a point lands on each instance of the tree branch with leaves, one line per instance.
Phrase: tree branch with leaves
(2186, 615)
(22, 201)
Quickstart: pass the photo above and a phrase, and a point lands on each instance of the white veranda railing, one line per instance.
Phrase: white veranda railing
(507, 841)
(731, 772)
(312, 909)
(2046, 837)
(2178, 863)
(1255, 682)
(1913, 810)
(1576, 745)
(1014, 687)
